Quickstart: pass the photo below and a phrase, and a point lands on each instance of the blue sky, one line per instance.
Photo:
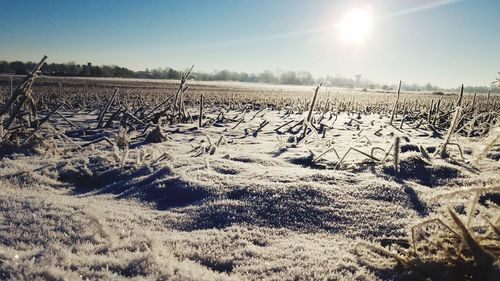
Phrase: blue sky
(442, 42)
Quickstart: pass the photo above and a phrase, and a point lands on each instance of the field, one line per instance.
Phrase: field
(188, 180)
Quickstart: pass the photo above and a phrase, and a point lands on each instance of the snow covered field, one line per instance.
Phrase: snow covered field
(237, 200)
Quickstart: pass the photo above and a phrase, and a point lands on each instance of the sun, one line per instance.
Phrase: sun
(355, 26)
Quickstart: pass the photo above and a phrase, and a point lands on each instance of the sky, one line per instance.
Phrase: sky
(444, 42)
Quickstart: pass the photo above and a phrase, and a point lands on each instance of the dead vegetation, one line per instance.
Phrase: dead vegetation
(117, 138)
(146, 115)
(449, 246)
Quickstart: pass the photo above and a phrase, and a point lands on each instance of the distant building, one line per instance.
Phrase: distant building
(358, 78)
(88, 68)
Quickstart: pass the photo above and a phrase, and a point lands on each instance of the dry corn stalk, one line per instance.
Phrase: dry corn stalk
(394, 109)
(396, 156)
(441, 151)
(22, 94)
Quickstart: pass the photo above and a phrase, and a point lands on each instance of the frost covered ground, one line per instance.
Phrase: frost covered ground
(258, 207)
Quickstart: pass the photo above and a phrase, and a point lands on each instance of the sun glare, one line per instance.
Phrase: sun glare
(355, 26)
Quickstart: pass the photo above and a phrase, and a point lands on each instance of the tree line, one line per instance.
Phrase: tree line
(88, 70)
(276, 77)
